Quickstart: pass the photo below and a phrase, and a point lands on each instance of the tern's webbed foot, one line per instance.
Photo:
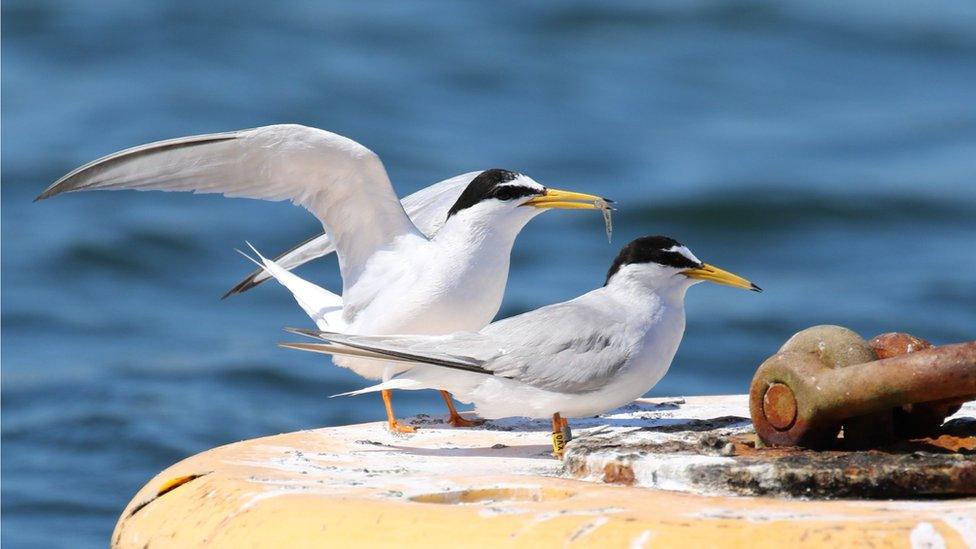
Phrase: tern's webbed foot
(458, 420)
(399, 428)
(391, 423)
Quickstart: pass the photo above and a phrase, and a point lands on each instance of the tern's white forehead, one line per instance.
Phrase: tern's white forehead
(524, 181)
(683, 250)
(496, 185)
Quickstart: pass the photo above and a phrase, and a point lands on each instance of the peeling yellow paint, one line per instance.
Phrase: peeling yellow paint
(462, 487)
(176, 482)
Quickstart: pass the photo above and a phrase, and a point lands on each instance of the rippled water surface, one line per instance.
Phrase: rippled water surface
(825, 151)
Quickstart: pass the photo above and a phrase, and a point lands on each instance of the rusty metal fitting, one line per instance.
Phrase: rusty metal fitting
(897, 344)
(779, 406)
(840, 347)
(823, 398)
(913, 420)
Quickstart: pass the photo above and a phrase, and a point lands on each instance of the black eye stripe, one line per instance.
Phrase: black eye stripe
(509, 192)
(676, 259)
(491, 184)
(652, 249)
(504, 193)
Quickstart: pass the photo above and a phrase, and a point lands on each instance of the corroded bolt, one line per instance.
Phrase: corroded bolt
(912, 420)
(779, 406)
(825, 397)
(896, 344)
(840, 347)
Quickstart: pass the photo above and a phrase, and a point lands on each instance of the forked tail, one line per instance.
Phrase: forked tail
(321, 305)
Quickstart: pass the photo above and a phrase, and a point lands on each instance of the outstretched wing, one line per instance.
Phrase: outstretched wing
(427, 208)
(341, 182)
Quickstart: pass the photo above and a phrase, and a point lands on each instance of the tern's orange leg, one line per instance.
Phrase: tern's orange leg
(456, 419)
(558, 436)
(391, 421)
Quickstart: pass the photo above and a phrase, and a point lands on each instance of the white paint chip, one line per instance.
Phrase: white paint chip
(925, 536)
(965, 525)
(640, 542)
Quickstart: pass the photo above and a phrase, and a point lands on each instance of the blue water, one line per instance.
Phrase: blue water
(826, 151)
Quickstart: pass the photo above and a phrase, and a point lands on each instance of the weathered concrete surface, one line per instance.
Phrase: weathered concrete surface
(498, 485)
(719, 456)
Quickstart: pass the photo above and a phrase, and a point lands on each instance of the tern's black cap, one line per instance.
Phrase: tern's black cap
(663, 250)
(492, 184)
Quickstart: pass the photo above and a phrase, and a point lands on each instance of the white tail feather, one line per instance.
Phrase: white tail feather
(395, 383)
(319, 304)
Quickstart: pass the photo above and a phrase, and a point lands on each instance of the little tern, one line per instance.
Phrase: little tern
(427, 209)
(572, 359)
(444, 275)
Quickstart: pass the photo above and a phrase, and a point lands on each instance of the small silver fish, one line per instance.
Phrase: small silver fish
(607, 219)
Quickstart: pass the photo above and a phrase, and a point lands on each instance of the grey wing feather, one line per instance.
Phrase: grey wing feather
(332, 349)
(427, 208)
(87, 176)
(333, 177)
(571, 347)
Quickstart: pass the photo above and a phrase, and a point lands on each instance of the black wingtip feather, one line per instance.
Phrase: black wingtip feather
(314, 334)
(410, 357)
(244, 285)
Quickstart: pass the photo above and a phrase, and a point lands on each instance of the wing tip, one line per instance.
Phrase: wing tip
(247, 283)
(233, 291)
(310, 347)
(62, 185)
(49, 192)
(313, 334)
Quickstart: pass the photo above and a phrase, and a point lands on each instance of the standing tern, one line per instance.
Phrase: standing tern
(448, 274)
(572, 359)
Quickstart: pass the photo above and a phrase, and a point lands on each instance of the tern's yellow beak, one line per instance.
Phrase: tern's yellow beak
(567, 200)
(718, 276)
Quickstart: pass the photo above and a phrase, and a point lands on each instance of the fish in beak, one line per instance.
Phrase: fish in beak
(568, 200)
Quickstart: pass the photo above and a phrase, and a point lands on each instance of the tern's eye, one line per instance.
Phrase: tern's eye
(505, 193)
